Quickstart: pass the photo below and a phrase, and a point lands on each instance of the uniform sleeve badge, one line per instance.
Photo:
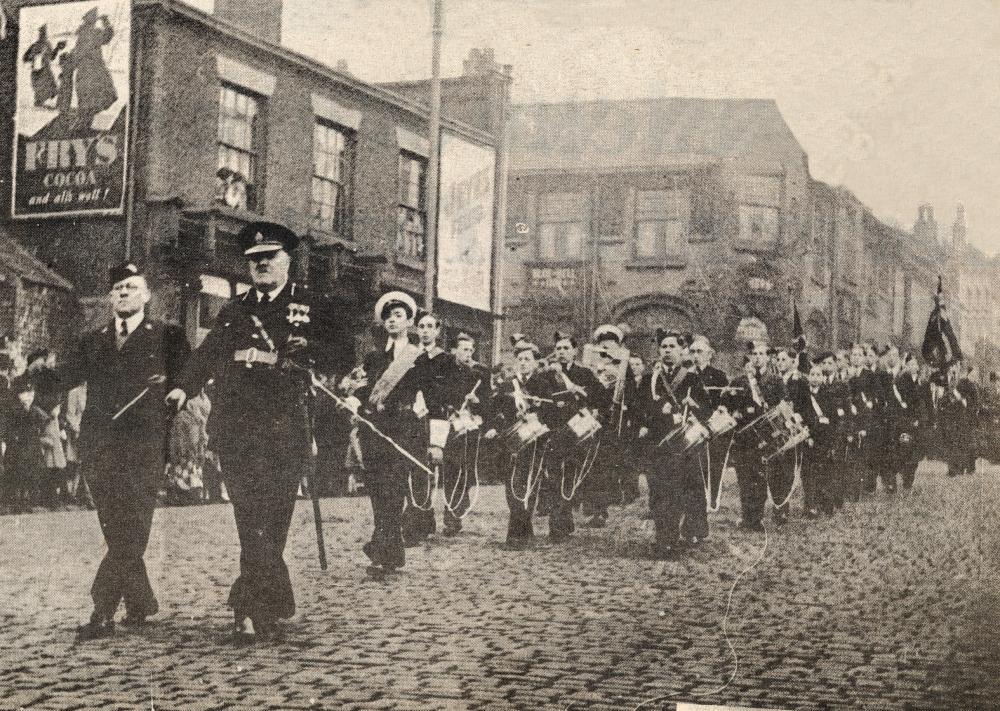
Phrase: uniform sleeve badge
(298, 314)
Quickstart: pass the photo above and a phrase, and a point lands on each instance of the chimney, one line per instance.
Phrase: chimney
(925, 227)
(958, 231)
(480, 62)
(261, 18)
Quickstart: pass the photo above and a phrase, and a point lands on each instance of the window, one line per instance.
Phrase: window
(411, 224)
(659, 230)
(333, 157)
(759, 210)
(240, 174)
(560, 226)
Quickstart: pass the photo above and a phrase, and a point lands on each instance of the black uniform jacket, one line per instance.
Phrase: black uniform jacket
(681, 387)
(822, 427)
(115, 377)
(258, 394)
(712, 377)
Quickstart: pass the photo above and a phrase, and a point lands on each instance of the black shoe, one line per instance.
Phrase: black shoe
(755, 527)
(515, 544)
(661, 552)
(238, 636)
(381, 572)
(134, 620)
(371, 550)
(95, 629)
(451, 531)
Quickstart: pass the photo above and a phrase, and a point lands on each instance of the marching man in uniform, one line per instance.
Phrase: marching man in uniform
(258, 354)
(122, 434)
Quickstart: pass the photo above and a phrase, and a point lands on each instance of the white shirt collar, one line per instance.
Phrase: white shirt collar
(131, 323)
(396, 344)
(272, 295)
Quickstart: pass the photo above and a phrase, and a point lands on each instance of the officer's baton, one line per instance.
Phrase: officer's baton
(367, 423)
(130, 403)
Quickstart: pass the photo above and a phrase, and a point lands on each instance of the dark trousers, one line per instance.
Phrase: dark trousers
(123, 485)
(817, 486)
(910, 456)
(559, 484)
(781, 479)
(386, 482)
(854, 468)
(751, 476)
(603, 485)
(262, 487)
(670, 478)
(519, 476)
(458, 472)
(695, 502)
(417, 520)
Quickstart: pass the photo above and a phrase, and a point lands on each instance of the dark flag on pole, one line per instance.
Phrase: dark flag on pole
(940, 348)
(798, 336)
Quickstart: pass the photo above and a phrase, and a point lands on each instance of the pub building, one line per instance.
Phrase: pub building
(225, 126)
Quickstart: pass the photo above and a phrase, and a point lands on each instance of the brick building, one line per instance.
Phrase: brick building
(688, 212)
(231, 127)
(701, 215)
(38, 308)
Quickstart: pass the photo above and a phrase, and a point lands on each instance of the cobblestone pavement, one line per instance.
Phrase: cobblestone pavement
(892, 604)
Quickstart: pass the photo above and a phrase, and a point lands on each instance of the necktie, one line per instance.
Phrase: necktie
(123, 332)
(263, 298)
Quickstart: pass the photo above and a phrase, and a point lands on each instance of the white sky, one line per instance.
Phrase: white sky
(898, 100)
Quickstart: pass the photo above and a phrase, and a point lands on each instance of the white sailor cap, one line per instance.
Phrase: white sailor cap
(392, 299)
(607, 330)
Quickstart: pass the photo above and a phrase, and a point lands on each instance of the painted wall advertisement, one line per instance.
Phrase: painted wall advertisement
(465, 222)
(71, 123)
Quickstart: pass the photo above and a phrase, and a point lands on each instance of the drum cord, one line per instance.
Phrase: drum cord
(725, 634)
(533, 479)
(449, 500)
(432, 483)
(796, 477)
(581, 473)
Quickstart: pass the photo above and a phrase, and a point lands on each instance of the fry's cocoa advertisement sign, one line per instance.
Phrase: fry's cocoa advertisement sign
(71, 124)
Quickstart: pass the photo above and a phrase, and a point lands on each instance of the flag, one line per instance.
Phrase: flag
(798, 337)
(940, 348)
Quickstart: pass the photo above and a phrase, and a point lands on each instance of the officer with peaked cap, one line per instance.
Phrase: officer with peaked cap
(260, 427)
(127, 365)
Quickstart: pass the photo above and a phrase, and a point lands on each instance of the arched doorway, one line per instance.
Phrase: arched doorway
(644, 314)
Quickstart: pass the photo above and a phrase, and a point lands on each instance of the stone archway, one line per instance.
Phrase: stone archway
(644, 314)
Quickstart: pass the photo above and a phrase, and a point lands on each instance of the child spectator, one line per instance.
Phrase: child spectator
(25, 424)
(188, 446)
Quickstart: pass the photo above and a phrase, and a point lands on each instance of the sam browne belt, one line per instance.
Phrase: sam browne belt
(252, 356)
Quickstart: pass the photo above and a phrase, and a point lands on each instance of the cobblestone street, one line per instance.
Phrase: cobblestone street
(892, 604)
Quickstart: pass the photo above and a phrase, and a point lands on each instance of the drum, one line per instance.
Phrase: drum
(794, 433)
(525, 431)
(583, 425)
(695, 434)
(463, 422)
(721, 422)
(683, 437)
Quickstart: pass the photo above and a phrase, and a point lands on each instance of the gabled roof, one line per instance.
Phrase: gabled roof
(649, 133)
(18, 260)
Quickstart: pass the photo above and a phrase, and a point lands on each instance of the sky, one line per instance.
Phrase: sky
(897, 100)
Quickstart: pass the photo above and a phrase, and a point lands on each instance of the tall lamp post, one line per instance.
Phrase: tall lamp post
(433, 162)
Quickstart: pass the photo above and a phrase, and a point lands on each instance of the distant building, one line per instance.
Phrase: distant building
(697, 214)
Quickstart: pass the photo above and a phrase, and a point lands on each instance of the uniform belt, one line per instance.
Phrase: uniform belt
(252, 356)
